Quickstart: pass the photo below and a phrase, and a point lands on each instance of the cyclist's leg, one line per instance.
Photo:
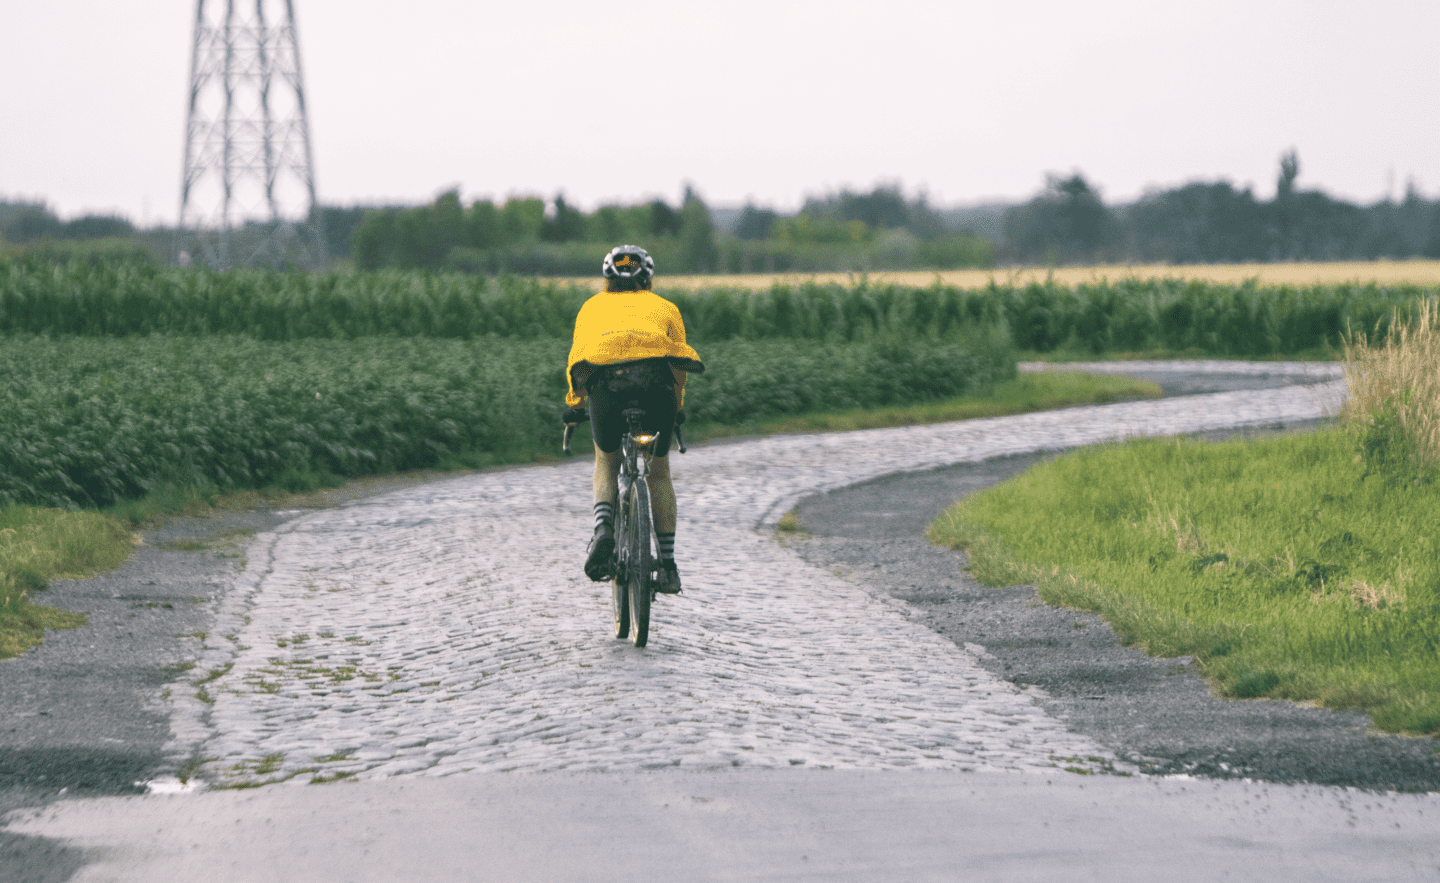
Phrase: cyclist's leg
(662, 504)
(662, 495)
(605, 483)
(660, 419)
(605, 429)
(660, 406)
(601, 549)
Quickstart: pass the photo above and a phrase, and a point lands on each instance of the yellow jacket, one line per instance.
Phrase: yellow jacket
(626, 326)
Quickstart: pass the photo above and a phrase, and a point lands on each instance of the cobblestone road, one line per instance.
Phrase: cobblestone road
(448, 628)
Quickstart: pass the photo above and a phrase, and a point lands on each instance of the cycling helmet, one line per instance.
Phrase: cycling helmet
(629, 262)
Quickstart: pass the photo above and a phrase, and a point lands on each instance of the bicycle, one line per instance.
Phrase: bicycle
(633, 587)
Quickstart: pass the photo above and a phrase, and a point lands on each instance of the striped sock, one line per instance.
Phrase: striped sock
(667, 545)
(604, 513)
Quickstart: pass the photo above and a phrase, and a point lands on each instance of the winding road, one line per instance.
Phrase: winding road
(434, 654)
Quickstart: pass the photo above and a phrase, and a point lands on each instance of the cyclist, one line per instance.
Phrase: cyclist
(629, 351)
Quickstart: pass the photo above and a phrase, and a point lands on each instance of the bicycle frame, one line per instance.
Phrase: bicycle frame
(637, 545)
(635, 451)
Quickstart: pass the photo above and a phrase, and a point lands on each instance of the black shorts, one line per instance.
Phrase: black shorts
(647, 384)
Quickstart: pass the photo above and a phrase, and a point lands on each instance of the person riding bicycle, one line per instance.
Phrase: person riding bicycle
(629, 351)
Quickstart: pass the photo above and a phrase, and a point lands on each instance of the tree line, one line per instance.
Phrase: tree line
(846, 231)
(1214, 222)
(527, 234)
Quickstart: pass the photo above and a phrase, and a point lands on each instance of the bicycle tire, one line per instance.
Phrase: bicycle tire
(619, 585)
(641, 560)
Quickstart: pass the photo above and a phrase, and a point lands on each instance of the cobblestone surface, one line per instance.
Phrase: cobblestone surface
(448, 627)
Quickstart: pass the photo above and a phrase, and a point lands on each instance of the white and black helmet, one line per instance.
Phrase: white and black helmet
(629, 262)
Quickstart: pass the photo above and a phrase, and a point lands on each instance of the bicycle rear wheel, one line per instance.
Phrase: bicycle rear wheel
(641, 559)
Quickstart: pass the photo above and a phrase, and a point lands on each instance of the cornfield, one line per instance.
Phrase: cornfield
(124, 378)
(94, 421)
(1224, 319)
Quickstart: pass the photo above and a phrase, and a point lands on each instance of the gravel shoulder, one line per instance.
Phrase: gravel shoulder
(79, 715)
(1159, 714)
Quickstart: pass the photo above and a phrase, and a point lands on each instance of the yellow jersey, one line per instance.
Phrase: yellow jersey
(626, 326)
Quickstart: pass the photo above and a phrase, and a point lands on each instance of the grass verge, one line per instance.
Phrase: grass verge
(38, 545)
(1040, 391)
(1076, 354)
(1274, 563)
(1302, 567)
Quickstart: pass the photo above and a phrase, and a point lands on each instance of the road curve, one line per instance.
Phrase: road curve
(447, 629)
(436, 652)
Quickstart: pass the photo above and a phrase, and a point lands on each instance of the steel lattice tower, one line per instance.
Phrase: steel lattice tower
(248, 193)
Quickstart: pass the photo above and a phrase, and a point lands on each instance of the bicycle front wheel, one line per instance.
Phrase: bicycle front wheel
(641, 557)
(619, 585)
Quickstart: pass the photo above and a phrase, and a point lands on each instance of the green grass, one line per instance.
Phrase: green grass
(1041, 391)
(1282, 567)
(38, 545)
(1071, 353)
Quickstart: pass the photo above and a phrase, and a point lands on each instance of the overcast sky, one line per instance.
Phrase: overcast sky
(766, 100)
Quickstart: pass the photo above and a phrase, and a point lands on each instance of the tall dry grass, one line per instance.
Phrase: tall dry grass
(1394, 402)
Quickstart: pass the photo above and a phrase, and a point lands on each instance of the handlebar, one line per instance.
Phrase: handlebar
(569, 430)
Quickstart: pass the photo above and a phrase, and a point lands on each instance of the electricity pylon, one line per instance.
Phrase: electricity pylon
(247, 197)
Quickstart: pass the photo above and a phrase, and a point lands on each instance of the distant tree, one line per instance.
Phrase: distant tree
(1432, 241)
(755, 223)
(1066, 223)
(29, 222)
(415, 246)
(1289, 171)
(1398, 230)
(806, 230)
(664, 220)
(924, 221)
(521, 219)
(566, 225)
(339, 224)
(373, 244)
(611, 224)
(424, 236)
(97, 227)
(1414, 221)
(1085, 218)
(956, 250)
(697, 235)
(1198, 223)
(883, 208)
(1284, 209)
(1320, 228)
(483, 227)
(449, 221)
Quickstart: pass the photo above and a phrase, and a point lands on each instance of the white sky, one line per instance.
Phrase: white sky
(762, 99)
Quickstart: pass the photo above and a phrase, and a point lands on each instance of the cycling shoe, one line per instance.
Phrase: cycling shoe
(600, 559)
